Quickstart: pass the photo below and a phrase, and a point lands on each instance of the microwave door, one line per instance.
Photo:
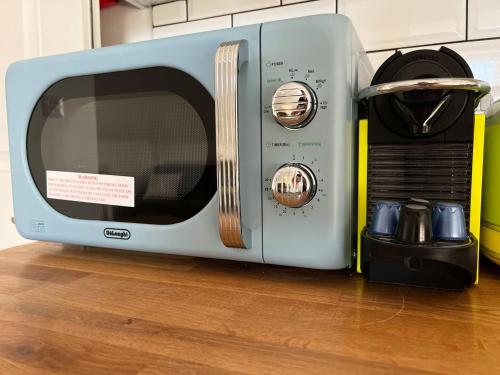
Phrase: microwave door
(142, 117)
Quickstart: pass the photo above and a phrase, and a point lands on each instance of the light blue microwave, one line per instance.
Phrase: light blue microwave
(234, 144)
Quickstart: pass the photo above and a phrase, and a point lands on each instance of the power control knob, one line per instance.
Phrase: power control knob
(293, 185)
(294, 105)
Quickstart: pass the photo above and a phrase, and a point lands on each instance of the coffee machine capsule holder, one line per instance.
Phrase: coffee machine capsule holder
(442, 166)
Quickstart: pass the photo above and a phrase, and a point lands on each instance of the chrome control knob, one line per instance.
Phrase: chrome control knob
(294, 105)
(293, 185)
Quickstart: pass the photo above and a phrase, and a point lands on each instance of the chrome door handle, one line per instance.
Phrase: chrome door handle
(469, 84)
(228, 59)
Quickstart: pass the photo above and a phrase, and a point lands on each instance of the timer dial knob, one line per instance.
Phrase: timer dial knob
(293, 185)
(294, 105)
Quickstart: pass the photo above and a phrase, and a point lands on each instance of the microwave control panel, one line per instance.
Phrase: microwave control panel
(294, 186)
(307, 144)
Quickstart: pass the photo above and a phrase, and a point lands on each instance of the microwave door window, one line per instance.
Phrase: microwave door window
(152, 128)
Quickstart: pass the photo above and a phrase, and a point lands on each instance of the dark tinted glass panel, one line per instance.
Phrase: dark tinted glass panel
(155, 125)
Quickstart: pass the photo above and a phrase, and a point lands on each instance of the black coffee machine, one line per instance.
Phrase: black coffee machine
(420, 170)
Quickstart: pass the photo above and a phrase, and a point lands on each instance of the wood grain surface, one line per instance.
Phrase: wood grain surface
(73, 310)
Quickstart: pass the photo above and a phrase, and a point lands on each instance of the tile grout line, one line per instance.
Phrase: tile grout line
(435, 44)
(466, 19)
(92, 21)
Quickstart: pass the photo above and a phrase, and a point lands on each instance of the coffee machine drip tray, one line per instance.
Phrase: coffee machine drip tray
(439, 264)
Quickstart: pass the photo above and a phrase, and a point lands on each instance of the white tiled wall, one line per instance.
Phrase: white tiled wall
(125, 23)
(398, 23)
(279, 13)
(484, 19)
(208, 24)
(208, 8)
(172, 12)
(383, 25)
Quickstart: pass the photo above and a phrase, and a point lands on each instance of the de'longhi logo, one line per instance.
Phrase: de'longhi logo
(119, 234)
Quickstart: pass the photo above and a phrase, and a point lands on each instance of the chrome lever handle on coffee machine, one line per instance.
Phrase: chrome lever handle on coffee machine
(481, 88)
(228, 60)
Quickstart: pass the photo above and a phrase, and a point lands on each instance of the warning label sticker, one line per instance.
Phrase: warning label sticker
(91, 188)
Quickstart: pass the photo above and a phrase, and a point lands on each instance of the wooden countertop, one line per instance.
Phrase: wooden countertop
(73, 310)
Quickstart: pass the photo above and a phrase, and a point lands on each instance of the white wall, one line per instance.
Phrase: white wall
(125, 23)
(30, 28)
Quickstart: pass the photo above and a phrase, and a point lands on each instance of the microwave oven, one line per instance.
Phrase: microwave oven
(233, 144)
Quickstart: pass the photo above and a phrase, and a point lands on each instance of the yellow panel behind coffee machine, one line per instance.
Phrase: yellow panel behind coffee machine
(490, 225)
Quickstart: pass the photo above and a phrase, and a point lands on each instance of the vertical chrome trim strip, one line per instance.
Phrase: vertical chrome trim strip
(228, 59)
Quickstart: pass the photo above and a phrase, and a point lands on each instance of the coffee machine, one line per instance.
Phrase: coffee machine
(420, 159)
